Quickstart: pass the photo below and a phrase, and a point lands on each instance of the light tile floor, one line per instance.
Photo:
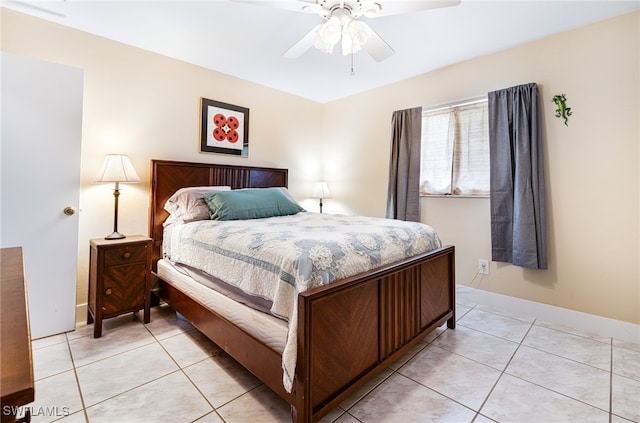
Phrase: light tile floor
(494, 367)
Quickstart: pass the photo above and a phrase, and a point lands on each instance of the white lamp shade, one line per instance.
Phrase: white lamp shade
(329, 34)
(354, 33)
(117, 168)
(354, 36)
(321, 190)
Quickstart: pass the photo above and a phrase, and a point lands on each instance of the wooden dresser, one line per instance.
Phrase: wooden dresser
(16, 386)
(119, 278)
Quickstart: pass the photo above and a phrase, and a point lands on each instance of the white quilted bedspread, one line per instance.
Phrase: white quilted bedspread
(278, 257)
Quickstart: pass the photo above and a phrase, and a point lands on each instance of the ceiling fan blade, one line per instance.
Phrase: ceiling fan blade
(302, 45)
(38, 8)
(389, 8)
(293, 5)
(378, 48)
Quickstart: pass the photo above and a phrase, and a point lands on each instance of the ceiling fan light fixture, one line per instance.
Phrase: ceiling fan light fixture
(329, 34)
(341, 25)
(355, 34)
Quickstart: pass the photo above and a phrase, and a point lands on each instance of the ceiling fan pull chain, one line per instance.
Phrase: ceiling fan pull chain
(353, 72)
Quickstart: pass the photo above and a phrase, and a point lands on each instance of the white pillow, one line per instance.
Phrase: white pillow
(187, 204)
(287, 193)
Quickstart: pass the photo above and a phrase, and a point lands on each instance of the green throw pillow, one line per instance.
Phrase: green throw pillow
(250, 203)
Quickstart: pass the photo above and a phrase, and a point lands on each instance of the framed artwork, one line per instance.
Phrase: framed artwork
(225, 128)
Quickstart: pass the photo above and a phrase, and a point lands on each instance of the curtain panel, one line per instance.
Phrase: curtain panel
(403, 197)
(518, 214)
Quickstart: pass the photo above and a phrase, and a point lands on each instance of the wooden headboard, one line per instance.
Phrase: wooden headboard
(169, 176)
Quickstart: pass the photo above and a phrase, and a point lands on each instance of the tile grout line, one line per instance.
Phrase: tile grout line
(396, 371)
(504, 371)
(573, 360)
(181, 369)
(489, 333)
(476, 417)
(611, 383)
(108, 356)
(131, 389)
(393, 371)
(75, 374)
(137, 386)
(476, 412)
(84, 407)
(546, 387)
(532, 324)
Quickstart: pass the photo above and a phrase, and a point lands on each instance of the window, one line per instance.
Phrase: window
(455, 150)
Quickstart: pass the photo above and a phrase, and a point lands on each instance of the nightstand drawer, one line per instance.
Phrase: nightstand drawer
(125, 254)
(118, 296)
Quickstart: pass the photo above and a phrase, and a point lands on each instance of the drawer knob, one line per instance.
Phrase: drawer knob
(108, 291)
(126, 255)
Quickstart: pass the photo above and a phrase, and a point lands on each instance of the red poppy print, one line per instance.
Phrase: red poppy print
(226, 128)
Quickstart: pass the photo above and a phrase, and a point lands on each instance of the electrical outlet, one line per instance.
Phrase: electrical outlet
(483, 266)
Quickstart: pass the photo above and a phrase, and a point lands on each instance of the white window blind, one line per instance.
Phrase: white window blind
(455, 150)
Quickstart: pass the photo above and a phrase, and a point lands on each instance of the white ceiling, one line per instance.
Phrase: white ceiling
(246, 40)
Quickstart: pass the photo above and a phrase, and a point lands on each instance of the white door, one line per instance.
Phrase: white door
(39, 177)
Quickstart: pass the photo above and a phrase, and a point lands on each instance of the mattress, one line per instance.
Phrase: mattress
(261, 304)
(269, 329)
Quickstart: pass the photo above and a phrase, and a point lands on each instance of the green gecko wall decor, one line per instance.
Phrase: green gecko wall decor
(562, 111)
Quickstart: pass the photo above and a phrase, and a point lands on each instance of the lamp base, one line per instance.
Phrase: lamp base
(115, 235)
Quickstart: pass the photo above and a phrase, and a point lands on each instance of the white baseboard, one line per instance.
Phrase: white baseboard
(597, 325)
(81, 314)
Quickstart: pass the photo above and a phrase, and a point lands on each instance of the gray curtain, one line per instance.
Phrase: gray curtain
(518, 216)
(403, 197)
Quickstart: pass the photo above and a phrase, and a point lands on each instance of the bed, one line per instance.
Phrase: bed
(346, 331)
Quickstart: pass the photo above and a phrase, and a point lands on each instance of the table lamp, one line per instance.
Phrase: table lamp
(116, 168)
(321, 190)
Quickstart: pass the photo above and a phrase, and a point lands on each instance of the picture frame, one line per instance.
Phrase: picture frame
(224, 128)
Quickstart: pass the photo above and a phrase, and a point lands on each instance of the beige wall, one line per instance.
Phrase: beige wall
(147, 106)
(592, 166)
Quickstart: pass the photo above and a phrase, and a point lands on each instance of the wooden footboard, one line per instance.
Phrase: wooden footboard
(350, 330)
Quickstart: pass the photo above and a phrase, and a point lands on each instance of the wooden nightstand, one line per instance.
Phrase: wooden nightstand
(119, 279)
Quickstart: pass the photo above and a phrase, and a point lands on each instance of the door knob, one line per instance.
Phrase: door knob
(69, 210)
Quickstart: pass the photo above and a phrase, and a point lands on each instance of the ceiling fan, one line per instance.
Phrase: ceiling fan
(36, 6)
(342, 23)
